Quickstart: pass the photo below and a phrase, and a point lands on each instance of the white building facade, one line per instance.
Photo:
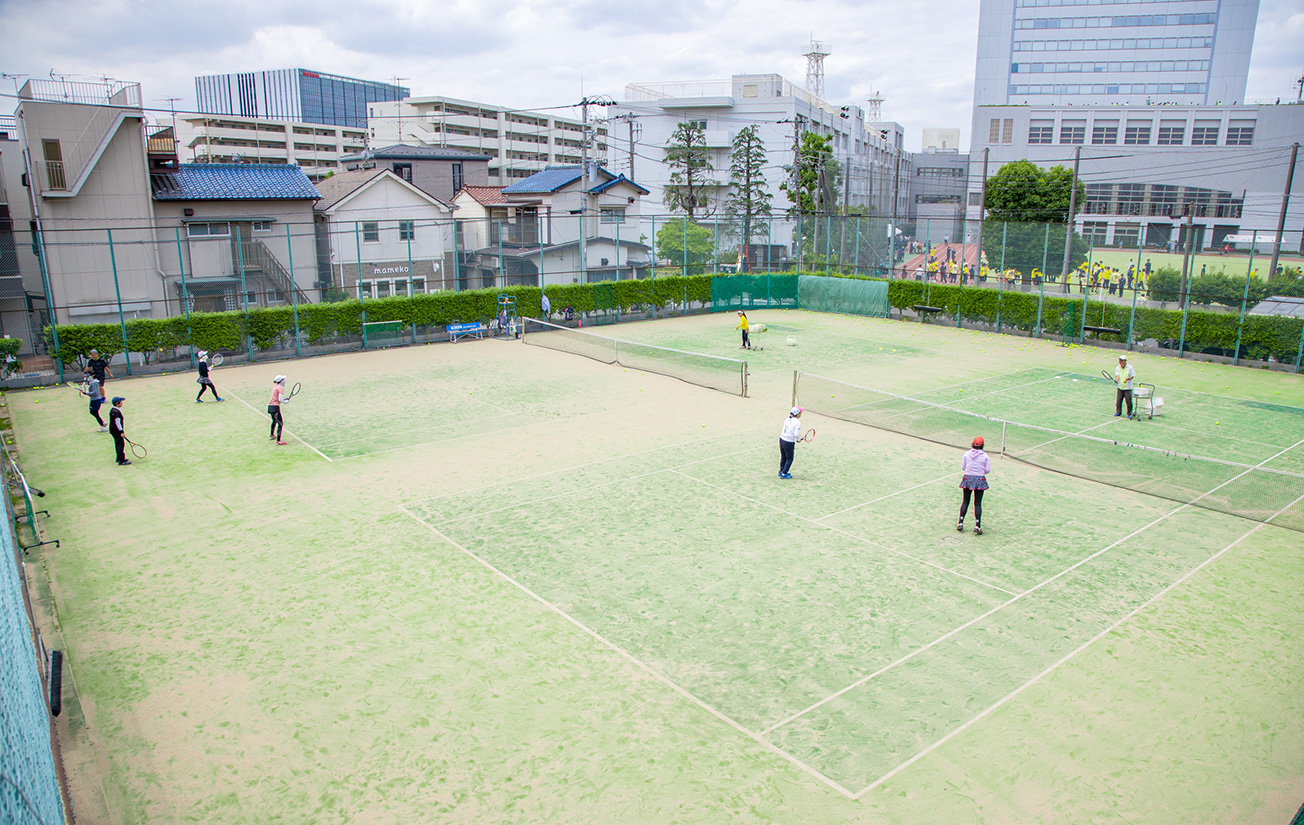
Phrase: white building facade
(518, 143)
(1131, 52)
(314, 147)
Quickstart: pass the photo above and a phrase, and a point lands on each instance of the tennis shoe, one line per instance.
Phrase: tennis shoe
(220, 400)
(959, 527)
(977, 530)
(282, 443)
(1116, 415)
(199, 400)
(123, 463)
(104, 428)
(786, 475)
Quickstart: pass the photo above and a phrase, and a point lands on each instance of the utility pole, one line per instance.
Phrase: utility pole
(586, 178)
(982, 207)
(1285, 202)
(1073, 205)
(1189, 210)
(398, 81)
(892, 229)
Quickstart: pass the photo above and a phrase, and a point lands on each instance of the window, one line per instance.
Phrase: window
(1099, 200)
(1007, 133)
(404, 171)
(371, 232)
(382, 289)
(1204, 135)
(1171, 134)
(407, 230)
(1240, 135)
(457, 176)
(1163, 200)
(418, 286)
(697, 124)
(1104, 134)
(1130, 196)
(1095, 233)
(975, 198)
(749, 90)
(1041, 132)
(1137, 134)
(54, 164)
(1127, 235)
(401, 288)
(994, 134)
(1073, 132)
(612, 214)
(208, 230)
(262, 226)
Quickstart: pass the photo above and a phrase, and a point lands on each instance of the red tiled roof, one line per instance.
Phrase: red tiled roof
(486, 195)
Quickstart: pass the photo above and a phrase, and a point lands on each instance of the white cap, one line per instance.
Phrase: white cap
(280, 379)
(1122, 357)
(795, 411)
(203, 353)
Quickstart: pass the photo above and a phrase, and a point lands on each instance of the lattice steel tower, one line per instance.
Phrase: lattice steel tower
(815, 55)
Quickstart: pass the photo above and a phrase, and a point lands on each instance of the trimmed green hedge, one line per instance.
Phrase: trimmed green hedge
(273, 327)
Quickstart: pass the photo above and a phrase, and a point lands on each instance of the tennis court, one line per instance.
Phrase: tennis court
(495, 582)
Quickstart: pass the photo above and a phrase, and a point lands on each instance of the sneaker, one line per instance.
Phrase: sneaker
(104, 428)
(199, 400)
(786, 475)
(272, 437)
(960, 527)
(282, 443)
(123, 463)
(220, 400)
(1116, 415)
(977, 529)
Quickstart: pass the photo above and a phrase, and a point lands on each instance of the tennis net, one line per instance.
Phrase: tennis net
(1246, 490)
(712, 371)
(379, 334)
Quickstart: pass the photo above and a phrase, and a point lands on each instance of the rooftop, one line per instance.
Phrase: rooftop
(233, 181)
(404, 152)
(554, 178)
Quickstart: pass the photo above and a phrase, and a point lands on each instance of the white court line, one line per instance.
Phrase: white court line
(620, 480)
(1027, 592)
(269, 418)
(1034, 680)
(629, 657)
(334, 444)
(942, 404)
(884, 498)
(870, 542)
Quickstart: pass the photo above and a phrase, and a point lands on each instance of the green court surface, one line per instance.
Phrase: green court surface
(495, 582)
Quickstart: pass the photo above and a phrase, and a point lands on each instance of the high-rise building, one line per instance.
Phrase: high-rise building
(299, 95)
(1129, 52)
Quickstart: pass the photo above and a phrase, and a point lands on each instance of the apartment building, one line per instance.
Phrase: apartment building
(518, 143)
(314, 147)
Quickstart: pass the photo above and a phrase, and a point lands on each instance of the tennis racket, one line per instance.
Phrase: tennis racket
(294, 390)
(809, 436)
(137, 450)
(1108, 377)
(215, 360)
(81, 388)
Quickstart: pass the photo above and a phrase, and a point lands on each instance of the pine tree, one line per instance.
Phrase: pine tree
(689, 160)
(749, 199)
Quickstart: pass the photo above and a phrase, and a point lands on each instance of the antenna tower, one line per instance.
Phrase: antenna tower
(815, 54)
(875, 113)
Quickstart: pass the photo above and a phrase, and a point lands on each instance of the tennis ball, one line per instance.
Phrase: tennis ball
(38, 402)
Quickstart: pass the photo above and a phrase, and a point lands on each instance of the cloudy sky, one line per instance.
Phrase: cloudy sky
(919, 55)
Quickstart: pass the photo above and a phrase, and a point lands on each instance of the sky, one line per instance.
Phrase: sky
(918, 55)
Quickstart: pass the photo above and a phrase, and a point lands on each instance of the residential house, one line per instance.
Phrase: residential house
(555, 227)
(379, 235)
(437, 171)
(231, 236)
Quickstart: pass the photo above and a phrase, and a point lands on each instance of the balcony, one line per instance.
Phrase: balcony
(54, 175)
(106, 93)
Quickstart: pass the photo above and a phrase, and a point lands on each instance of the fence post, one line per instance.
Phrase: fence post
(715, 249)
(1300, 352)
(244, 290)
(685, 250)
(828, 236)
(1186, 307)
(362, 306)
(1086, 292)
(185, 297)
(1131, 322)
(39, 237)
(457, 263)
(122, 321)
(1245, 297)
(502, 272)
(294, 291)
(1000, 279)
(858, 245)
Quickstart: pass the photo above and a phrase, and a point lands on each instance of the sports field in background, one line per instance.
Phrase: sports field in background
(1235, 265)
(494, 582)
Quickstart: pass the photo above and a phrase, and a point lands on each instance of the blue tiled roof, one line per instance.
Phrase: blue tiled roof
(233, 181)
(549, 180)
(602, 187)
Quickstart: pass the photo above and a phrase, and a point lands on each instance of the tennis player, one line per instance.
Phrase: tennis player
(975, 465)
(205, 383)
(744, 326)
(274, 409)
(96, 396)
(788, 440)
(99, 367)
(1124, 375)
(117, 429)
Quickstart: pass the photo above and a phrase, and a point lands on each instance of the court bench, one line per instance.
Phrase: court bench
(459, 331)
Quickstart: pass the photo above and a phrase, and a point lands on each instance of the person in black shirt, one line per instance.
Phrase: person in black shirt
(118, 430)
(205, 383)
(99, 368)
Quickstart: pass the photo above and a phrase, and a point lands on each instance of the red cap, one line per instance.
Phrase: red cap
(978, 441)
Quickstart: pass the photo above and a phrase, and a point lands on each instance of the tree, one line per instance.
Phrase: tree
(749, 199)
(684, 243)
(815, 176)
(1023, 200)
(689, 160)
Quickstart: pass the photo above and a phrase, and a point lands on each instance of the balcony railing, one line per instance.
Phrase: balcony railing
(54, 174)
(106, 93)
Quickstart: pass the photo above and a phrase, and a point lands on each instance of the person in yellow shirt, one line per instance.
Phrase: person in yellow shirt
(744, 326)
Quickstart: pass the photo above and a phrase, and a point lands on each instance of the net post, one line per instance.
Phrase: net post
(794, 388)
(744, 368)
(1003, 426)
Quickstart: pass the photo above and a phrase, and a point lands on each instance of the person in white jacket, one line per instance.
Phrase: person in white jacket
(975, 465)
(788, 438)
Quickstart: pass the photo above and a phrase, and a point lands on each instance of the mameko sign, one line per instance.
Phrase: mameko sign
(395, 269)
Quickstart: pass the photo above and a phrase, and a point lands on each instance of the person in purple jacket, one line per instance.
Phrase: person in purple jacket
(975, 466)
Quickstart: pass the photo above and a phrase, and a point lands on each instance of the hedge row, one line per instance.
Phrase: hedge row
(1263, 335)
(273, 328)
